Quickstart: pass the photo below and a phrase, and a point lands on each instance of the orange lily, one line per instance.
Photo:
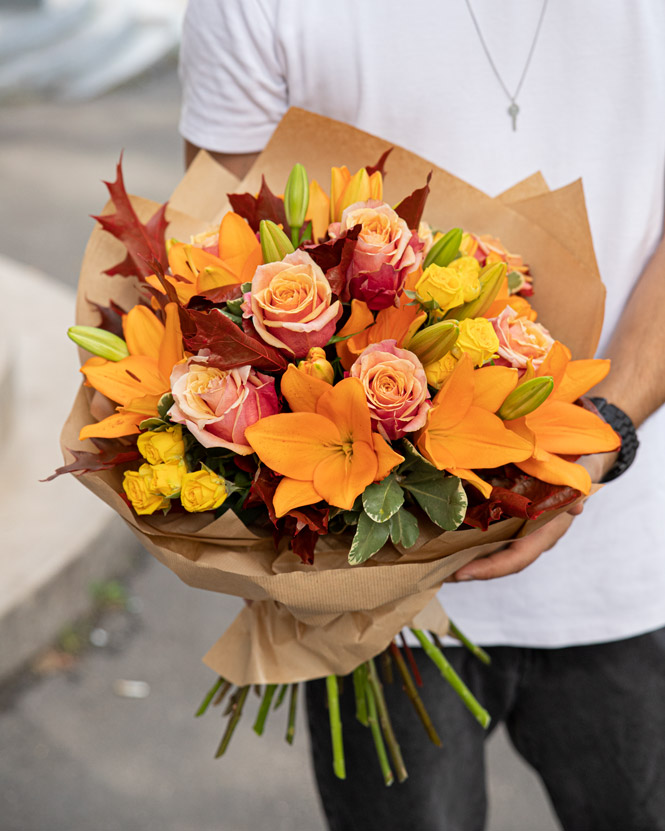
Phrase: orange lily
(318, 210)
(137, 382)
(560, 428)
(462, 432)
(194, 270)
(346, 189)
(399, 324)
(326, 448)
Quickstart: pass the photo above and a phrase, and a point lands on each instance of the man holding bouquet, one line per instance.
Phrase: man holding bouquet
(494, 93)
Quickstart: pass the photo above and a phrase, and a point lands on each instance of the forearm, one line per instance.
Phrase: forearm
(636, 382)
(236, 163)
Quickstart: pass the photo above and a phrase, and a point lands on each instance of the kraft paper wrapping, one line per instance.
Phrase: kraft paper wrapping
(309, 621)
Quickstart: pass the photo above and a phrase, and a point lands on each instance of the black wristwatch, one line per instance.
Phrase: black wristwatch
(623, 425)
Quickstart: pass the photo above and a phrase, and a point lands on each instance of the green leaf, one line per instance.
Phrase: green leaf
(413, 457)
(154, 424)
(165, 404)
(350, 517)
(370, 536)
(442, 497)
(382, 499)
(404, 528)
(515, 281)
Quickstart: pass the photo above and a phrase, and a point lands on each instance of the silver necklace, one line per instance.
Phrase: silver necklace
(513, 109)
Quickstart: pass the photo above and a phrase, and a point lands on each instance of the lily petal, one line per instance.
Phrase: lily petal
(346, 406)
(292, 493)
(580, 377)
(492, 385)
(386, 457)
(143, 332)
(571, 430)
(558, 471)
(113, 427)
(124, 380)
(301, 390)
(342, 476)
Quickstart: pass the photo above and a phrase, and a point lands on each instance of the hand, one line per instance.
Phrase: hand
(521, 553)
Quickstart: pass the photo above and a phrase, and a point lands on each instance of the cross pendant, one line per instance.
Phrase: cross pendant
(513, 110)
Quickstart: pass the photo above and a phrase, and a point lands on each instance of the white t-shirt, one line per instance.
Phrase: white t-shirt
(592, 104)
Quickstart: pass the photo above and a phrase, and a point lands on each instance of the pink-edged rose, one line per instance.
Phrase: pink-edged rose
(291, 304)
(521, 339)
(386, 251)
(395, 385)
(217, 405)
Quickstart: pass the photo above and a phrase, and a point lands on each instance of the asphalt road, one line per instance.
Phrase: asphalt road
(75, 756)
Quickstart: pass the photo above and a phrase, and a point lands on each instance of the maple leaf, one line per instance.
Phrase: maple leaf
(255, 208)
(411, 208)
(112, 453)
(229, 345)
(379, 165)
(144, 242)
(334, 258)
(111, 317)
(213, 297)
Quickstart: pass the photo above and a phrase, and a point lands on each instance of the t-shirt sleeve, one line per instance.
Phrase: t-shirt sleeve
(234, 91)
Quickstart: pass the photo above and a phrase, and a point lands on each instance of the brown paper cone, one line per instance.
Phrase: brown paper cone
(309, 621)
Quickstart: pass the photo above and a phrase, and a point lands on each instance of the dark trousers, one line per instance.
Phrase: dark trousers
(589, 719)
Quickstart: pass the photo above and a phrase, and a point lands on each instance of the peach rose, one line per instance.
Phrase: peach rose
(291, 306)
(520, 339)
(217, 405)
(386, 251)
(395, 387)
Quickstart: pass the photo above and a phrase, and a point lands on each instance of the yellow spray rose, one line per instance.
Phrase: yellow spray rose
(450, 286)
(167, 478)
(317, 365)
(163, 446)
(202, 490)
(478, 339)
(439, 371)
(137, 484)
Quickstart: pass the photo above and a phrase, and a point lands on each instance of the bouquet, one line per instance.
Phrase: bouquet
(327, 405)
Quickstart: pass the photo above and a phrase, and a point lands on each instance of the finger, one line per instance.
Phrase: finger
(576, 509)
(516, 556)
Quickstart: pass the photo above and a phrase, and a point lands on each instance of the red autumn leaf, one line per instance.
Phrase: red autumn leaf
(229, 345)
(255, 208)
(85, 461)
(213, 297)
(334, 258)
(262, 491)
(144, 242)
(379, 165)
(111, 317)
(303, 543)
(411, 207)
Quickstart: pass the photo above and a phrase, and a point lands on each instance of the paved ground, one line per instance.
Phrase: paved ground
(73, 755)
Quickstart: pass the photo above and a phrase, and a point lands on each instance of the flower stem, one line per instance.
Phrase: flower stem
(280, 696)
(475, 650)
(412, 693)
(295, 237)
(412, 661)
(264, 709)
(221, 695)
(209, 696)
(386, 726)
(436, 655)
(386, 667)
(335, 727)
(373, 720)
(233, 721)
(293, 708)
(360, 690)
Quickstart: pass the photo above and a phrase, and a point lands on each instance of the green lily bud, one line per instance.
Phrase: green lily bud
(444, 250)
(491, 279)
(275, 245)
(100, 342)
(296, 197)
(433, 342)
(527, 397)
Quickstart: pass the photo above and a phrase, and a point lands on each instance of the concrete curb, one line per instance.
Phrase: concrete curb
(57, 538)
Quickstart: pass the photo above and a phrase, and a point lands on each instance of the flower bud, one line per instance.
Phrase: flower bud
(491, 280)
(527, 397)
(445, 249)
(275, 245)
(296, 197)
(316, 365)
(100, 342)
(433, 342)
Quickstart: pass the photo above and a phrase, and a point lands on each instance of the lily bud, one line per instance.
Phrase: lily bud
(491, 280)
(296, 197)
(317, 365)
(444, 250)
(275, 245)
(433, 342)
(100, 342)
(527, 397)
(358, 189)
